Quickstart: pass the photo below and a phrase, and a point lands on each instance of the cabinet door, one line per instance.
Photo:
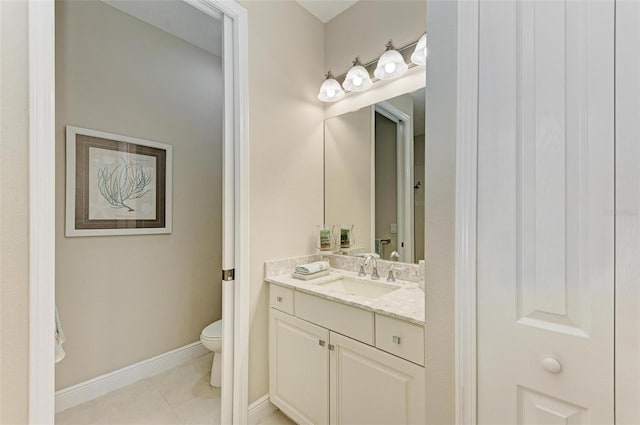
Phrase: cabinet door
(299, 368)
(370, 387)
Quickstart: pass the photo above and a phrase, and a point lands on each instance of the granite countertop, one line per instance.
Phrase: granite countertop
(406, 303)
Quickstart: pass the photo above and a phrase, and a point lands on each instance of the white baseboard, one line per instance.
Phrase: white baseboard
(260, 409)
(96, 387)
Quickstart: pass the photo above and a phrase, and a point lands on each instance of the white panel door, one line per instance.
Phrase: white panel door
(545, 212)
(369, 386)
(628, 213)
(299, 368)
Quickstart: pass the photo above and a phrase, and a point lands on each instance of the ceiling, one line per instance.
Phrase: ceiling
(177, 18)
(326, 10)
(186, 22)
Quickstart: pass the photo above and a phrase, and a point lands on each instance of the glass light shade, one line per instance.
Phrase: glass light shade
(419, 56)
(357, 79)
(330, 91)
(390, 65)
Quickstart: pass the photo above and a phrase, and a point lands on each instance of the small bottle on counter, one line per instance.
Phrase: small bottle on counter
(325, 241)
(346, 236)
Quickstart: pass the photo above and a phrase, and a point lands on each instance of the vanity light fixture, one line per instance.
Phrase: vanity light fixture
(391, 64)
(419, 56)
(330, 90)
(358, 78)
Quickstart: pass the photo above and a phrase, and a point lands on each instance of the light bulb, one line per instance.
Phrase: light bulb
(357, 78)
(330, 90)
(389, 67)
(419, 56)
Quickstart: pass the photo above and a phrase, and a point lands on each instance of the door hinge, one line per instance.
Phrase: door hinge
(228, 275)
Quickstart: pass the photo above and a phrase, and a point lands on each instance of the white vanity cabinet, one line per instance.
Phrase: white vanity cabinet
(319, 376)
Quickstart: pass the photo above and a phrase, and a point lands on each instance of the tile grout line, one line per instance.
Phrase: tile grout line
(169, 404)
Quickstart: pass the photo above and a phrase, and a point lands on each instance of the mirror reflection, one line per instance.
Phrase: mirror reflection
(374, 177)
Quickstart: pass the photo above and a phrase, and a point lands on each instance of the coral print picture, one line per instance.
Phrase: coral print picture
(117, 185)
(121, 185)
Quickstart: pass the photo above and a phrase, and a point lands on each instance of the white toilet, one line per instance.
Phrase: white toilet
(211, 338)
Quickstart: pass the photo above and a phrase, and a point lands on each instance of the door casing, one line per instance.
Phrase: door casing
(466, 213)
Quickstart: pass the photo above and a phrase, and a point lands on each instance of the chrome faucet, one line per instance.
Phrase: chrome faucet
(374, 270)
(392, 277)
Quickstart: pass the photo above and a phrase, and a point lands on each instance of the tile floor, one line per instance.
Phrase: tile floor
(178, 396)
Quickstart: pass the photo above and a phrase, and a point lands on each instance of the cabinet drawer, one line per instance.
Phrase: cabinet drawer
(281, 298)
(343, 319)
(401, 338)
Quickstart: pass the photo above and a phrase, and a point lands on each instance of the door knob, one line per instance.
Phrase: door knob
(552, 364)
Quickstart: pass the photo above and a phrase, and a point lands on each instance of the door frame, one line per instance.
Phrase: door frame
(466, 213)
(41, 42)
(404, 177)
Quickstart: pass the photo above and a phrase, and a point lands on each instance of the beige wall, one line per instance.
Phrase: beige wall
(285, 135)
(440, 210)
(123, 299)
(347, 173)
(14, 214)
(365, 28)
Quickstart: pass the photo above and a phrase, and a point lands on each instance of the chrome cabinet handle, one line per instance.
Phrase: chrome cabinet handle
(396, 340)
(552, 365)
(279, 299)
(321, 343)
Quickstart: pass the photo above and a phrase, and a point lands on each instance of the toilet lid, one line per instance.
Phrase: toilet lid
(213, 331)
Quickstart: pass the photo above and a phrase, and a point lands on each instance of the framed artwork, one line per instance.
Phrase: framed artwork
(116, 185)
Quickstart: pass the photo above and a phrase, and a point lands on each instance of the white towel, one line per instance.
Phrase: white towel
(311, 268)
(59, 339)
(311, 276)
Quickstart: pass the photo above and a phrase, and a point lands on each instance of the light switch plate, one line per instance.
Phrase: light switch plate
(394, 229)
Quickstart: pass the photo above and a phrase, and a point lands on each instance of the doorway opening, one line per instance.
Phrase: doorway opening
(398, 173)
(234, 191)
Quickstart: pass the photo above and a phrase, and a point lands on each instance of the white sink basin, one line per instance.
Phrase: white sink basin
(363, 288)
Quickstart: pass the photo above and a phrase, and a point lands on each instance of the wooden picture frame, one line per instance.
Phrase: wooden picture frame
(116, 185)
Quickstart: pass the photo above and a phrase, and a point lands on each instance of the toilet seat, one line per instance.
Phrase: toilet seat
(213, 331)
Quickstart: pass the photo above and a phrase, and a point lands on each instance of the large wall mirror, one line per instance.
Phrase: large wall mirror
(374, 176)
